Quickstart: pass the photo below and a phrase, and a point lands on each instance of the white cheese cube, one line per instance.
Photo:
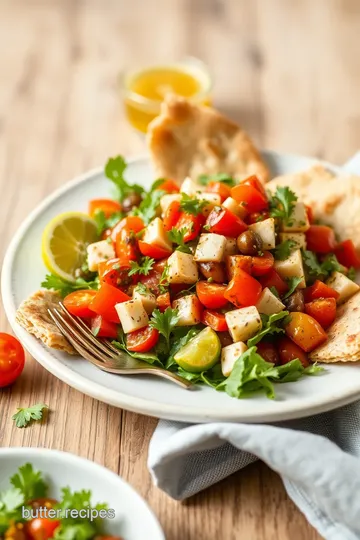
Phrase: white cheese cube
(148, 300)
(243, 323)
(99, 252)
(189, 310)
(132, 315)
(343, 285)
(182, 268)
(299, 221)
(230, 247)
(266, 230)
(292, 267)
(155, 234)
(229, 355)
(190, 187)
(210, 248)
(212, 199)
(298, 238)
(167, 199)
(268, 303)
(235, 207)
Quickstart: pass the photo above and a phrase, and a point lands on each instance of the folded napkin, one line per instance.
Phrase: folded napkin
(318, 458)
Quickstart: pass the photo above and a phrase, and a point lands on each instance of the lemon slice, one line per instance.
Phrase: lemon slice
(64, 243)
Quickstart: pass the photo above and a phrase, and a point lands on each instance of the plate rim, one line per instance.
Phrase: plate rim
(115, 397)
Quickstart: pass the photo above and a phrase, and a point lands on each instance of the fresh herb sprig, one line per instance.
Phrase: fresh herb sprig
(25, 415)
(177, 237)
(192, 205)
(65, 287)
(165, 322)
(282, 204)
(143, 267)
(114, 170)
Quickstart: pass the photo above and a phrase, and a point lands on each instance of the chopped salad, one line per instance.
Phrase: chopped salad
(220, 281)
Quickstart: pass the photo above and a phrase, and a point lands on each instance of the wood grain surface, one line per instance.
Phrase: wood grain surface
(288, 71)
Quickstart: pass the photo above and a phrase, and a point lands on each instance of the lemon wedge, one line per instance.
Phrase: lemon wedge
(64, 243)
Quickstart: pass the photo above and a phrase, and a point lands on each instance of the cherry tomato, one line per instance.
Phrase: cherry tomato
(319, 290)
(346, 254)
(320, 238)
(78, 303)
(250, 196)
(105, 300)
(236, 262)
(305, 331)
(132, 223)
(108, 206)
(152, 280)
(262, 265)
(221, 189)
(12, 359)
(323, 310)
(172, 215)
(153, 251)
(243, 290)
(126, 246)
(192, 223)
(115, 273)
(310, 213)
(215, 320)
(170, 186)
(255, 183)
(100, 327)
(163, 301)
(142, 340)
(288, 350)
(222, 221)
(42, 528)
(268, 351)
(255, 217)
(272, 279)
(211, 295)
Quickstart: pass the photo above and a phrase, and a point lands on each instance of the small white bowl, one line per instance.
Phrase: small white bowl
(133, 518)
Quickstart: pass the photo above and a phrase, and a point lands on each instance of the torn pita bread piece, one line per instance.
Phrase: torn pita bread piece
(335, 200)
(189, 140)
(34, 317)
(343, 343)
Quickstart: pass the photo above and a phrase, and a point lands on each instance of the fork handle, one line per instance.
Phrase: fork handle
(170, 376)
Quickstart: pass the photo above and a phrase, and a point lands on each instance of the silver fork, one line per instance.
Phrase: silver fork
(102, 354)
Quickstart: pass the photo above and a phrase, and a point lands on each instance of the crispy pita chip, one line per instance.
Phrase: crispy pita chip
(343, 344)
(189, 140)
(335, 200)
(33, 316)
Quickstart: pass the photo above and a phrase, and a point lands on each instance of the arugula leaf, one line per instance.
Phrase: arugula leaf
(149, 206)
(29, 482)
(205, 179)
(144, 268)
(191, 205)
(165, 322)
(65, 287)
(24, 416)
(316, 270)
(271, 324)
(181, 336)
(283, 251)
(275, 292)
(114, 170)
(292, 282)
(282, 204)
(104, 222)
(351, 273)
(177, 237)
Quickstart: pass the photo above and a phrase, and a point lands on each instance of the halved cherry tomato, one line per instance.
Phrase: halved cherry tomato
(215, 320)
(255, 183)
(255, 217)
(170, 186)
(320, 238)
(323, 310)
(319, 290)
(236, 262)
(272, 279)
(310, 213)
(192, 223)
(305, 331)
(132, 223)
(347, 255)
(250, 196)
(126, 248)
(262, 265)
(288, 350)
(152, 280)
(42, 528)
(268, 351)
(12, 359)
(153, 251)
(105, 300)
(221, 189)
(211, 295)
(163, 301)
(142, 340)
(172, 215)
(115, 273)
(243, 290)
(222, 221)
(100, 327)
(78, 303)
(108, 206)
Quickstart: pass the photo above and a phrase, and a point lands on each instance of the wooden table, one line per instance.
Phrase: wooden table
(288, 71)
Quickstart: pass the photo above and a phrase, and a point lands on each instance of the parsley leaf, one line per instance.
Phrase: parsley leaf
(271, 324)
(191, 205)
(104, 222)
(65, 287)
(283, 251)
(149, 206)
(142, 289)
(24, 416)
(177, 237)
(164, 279)
(351, 273)
(330, 264)
(292, 282)
(282, 203)
(205, 179)
(144, 268)
(316, 270)
(114, 170)
(29, 482)
(164, 322)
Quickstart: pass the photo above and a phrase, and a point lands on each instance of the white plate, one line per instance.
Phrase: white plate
(133, 518)
(23, 271)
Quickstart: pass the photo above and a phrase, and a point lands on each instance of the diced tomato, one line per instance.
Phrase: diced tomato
(100, 327)
(142, 340)
(323, 310)
(215, 320)
(163, 301)
(126, 246)
(305, 331)
(254, 200)
(170, 186)
(222, 221)
(221, 189)
(255, 217)
(105, 300)
(347, 255)
(78, 303)
(319, 290)
(243, 290)
(108, 206)
(262, 265)
(114, 273)
(172, 215)
(12, 359)
(268, 351)
(235, 262)
(272, 279)
(192, 223)
(132, 223)
(320, 238)
(152, 280)
(310, 213)
(211, 295)
(288, 350)
(41, 528)
(153, 251)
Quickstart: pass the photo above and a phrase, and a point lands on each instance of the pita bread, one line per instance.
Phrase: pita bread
(189, 140)
(34, 317)
(343, 344)
(335, 200)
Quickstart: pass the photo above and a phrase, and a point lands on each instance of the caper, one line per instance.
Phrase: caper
(249, 243)
(295, 302)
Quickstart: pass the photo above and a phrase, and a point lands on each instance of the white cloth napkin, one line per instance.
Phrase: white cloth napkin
(318, 458)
